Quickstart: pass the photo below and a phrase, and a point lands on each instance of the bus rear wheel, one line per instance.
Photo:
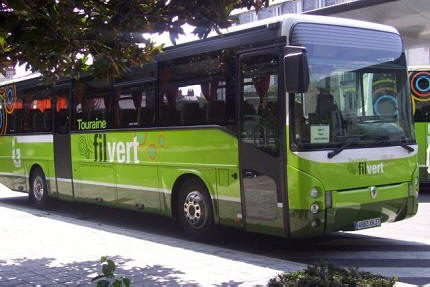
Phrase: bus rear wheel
(195, 210)
(39, 189)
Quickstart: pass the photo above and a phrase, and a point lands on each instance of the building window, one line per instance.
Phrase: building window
(309, 5)
(329, 2)
(288, 7)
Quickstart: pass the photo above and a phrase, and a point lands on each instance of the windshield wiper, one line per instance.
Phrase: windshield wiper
(408, 148)
(341, 148)
(351, 140)
(401, 144)
(379, 140)
(404, 145)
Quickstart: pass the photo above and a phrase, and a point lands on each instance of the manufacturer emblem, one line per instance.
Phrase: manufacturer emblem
(373, 192)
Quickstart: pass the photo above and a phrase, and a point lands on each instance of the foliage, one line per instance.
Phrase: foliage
(57, 37)
(326, 274)
(107, 278)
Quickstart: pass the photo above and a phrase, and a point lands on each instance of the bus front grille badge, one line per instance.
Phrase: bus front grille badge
(373, 192)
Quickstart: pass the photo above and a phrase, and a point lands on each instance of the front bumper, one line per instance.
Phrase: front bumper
(391, 203)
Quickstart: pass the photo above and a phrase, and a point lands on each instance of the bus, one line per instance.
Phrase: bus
(420, 91)
(280, 126)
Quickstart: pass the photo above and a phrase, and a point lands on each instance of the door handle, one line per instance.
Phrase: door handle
(250, 174)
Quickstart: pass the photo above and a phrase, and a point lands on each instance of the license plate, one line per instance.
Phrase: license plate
(368, 223)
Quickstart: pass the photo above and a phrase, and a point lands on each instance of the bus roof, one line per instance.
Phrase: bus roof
(289, 20)
(262, 30)
(20, 79)
(419, 68)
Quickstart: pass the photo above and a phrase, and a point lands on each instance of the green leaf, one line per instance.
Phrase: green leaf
(107, 271)
(111, 265)
(126, 281)
(103, 283)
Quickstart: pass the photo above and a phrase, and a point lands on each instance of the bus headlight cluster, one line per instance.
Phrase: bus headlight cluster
(411, 189)
(314, 192)
(417, 185)
(315, 208)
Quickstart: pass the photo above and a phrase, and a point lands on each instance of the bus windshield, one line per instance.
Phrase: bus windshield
(357, 96)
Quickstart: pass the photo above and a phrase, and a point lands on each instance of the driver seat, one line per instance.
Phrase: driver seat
(328, 113)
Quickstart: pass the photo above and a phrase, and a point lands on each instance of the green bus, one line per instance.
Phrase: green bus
(275, 127)
(420, 91)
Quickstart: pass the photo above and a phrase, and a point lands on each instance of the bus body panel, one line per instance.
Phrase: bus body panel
(359, 170)
(422, 133)
(19, 154)
(138, 169)
(419, 82)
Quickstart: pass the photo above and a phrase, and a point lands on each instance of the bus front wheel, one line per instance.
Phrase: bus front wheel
(195, 210)
(39, 189)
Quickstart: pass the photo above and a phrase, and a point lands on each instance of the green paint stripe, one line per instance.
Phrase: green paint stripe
(229, 198)
(125, 186)
(12, 174)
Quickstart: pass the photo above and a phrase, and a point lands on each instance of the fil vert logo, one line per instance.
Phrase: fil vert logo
(104, 150)
(365, 168)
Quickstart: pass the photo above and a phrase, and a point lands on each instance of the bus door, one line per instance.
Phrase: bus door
(62, 152)
(262, 141)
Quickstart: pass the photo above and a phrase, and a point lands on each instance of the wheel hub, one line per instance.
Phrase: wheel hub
(195, 210)
(38, 188)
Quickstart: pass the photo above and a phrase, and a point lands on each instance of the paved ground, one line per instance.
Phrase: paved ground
(62, 247)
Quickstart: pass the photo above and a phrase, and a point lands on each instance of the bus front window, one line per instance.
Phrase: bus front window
(357, 96)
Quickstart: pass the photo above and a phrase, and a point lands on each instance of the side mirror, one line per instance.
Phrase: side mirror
(296, 70)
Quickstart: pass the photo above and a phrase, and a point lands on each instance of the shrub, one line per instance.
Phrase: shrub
(326, 274)
(107, 278)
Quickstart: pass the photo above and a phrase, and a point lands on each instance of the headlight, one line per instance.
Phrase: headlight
(314, 192)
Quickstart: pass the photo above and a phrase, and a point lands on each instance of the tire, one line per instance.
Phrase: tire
(39, 189)
(195, 210)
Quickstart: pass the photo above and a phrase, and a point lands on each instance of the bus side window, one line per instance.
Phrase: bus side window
(134, 106)
(194, 91)
(14, 123)
(93, 105)
(422, 111)
(146, 114)
(36, 113)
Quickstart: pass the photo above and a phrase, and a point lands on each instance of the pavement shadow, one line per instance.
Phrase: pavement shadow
(235, 244)
(47, 272)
